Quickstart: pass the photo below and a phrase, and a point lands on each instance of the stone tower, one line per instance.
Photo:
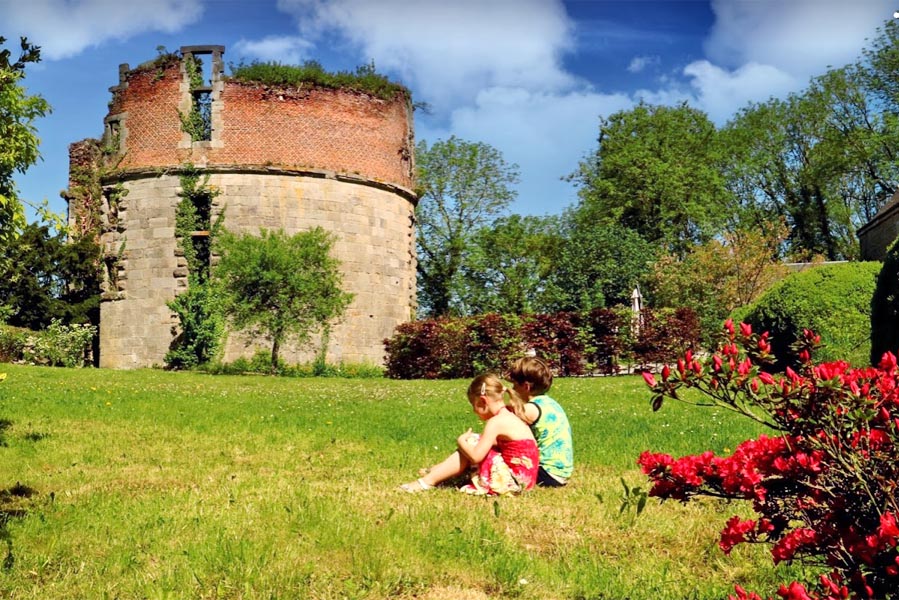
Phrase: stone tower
(279, 157)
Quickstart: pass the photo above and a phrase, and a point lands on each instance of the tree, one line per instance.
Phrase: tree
(598, 265)
(508, 268)
(18, 139)
(463, 187)
(44, 278)
(824, 160)
(280, 286)
(721, 275)
(656, 172)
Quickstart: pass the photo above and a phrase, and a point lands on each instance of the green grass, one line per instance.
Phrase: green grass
(151, 484)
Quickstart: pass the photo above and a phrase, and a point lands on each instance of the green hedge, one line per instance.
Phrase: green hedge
(833, 300)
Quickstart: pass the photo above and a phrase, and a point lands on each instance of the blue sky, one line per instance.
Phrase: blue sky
(530, 77)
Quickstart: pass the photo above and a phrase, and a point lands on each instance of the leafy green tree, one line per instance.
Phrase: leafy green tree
(43, 278)
(820, 160)
(463, 187)
(18, 138)
(508, 268)
(656, 172)
(280, 286)
(597, 265)
(720, 276)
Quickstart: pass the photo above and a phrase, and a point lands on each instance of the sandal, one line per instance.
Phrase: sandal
(413, 487)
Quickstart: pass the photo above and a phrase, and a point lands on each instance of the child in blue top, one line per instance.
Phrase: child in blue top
(531, 378)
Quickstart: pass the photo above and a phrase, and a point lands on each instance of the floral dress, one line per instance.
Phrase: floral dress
(510, 467)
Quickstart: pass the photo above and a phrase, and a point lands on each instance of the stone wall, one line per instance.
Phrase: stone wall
(876, 236)
(374, 241)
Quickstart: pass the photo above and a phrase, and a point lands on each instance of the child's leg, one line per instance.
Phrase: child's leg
(452, 466)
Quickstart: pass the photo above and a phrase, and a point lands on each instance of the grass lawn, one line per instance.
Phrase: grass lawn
(149, 484)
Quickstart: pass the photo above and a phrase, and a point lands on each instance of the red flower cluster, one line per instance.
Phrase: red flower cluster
(824, 487)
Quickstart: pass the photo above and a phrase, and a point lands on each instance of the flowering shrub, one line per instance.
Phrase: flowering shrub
(823, 487)
(59, 345)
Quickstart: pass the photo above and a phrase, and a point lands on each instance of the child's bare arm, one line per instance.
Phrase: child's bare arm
(531, 413)
(476, 453)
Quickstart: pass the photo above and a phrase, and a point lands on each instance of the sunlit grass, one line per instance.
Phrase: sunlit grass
(177, 485)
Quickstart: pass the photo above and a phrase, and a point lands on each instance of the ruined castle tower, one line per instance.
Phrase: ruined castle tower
(278, 157)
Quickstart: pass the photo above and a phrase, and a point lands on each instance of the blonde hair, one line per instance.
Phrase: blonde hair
(533, 370)
(491, 384)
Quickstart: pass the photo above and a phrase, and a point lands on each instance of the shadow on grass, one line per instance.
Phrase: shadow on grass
(14, 504)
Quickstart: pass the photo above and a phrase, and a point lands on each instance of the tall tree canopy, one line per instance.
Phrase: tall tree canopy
(509, 266)
(463, 187)
(656, 172)
(598, 265)
(18, 137)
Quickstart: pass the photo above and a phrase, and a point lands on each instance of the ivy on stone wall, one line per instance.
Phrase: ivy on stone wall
(202, 326)
(196, 122)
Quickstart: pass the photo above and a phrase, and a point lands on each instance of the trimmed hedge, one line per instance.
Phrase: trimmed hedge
(832, 300)
(573, 343)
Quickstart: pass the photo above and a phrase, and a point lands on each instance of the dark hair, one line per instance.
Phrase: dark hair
(533, 370)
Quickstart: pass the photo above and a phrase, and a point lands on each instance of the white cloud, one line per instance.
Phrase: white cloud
(640, 63)
(799, 37)
(721, 93)
(545, 133)
(450, 50)
(290, 50)
(63, 28)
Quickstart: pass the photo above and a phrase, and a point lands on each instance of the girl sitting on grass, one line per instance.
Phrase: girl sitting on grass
(504, 456)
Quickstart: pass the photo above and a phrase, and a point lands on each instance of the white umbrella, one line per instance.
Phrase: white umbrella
(637, 308)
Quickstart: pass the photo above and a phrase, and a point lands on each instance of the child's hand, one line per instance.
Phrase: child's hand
(468, 438)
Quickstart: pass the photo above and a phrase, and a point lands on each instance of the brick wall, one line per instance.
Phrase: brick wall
(320, 129)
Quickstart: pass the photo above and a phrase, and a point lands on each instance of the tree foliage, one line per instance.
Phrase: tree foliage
(45, 278)
(656, 172)
(721, 275)
(597, 264)
(283, 287)
(463, 187)
(509, 266)
(18, 135)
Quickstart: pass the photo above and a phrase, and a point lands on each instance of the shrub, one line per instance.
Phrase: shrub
(494, 340)
(665, 333)
(557, 338)
(604, 327)
(823, 487)
(572, 343)
(885, 307)
(12, 343)
(833, 300)
(59, 345)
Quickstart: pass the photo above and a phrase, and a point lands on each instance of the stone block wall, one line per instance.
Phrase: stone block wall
(374, 242)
